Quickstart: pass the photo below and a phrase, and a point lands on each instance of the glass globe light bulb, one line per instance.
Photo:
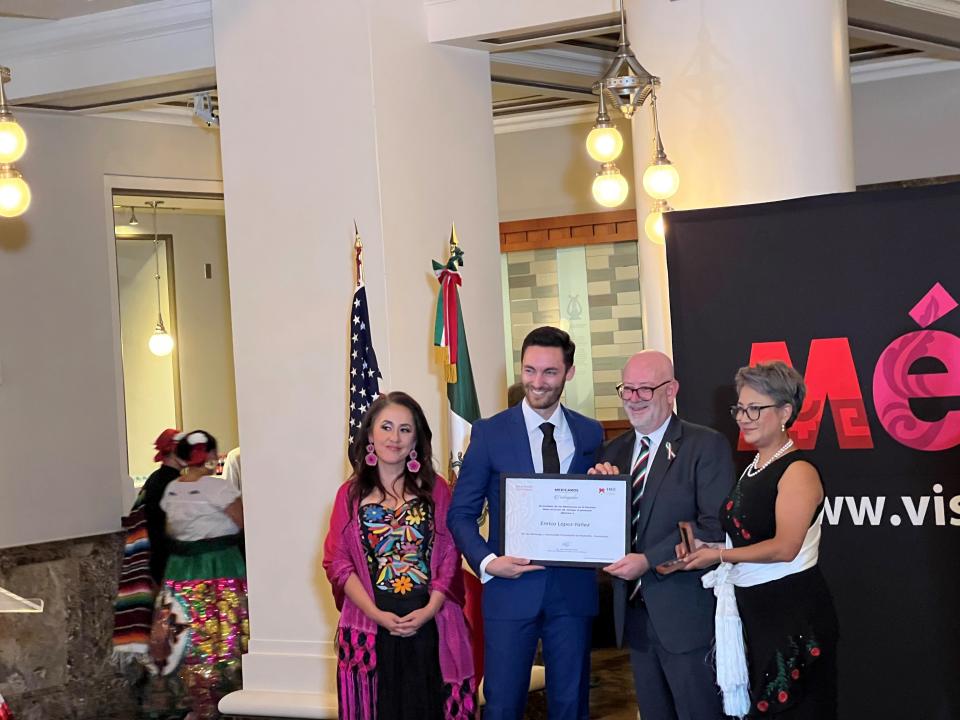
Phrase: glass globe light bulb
(661, 181)
(13, 140)
(161, 343)
(604, 144)
(610, 188)
(653, 227)
(14, 195)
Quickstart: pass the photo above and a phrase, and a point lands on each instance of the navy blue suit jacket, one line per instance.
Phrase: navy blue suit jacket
(500, 444)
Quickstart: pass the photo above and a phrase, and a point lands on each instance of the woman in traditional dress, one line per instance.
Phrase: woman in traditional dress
(200, 626)
(772, 520)
(404, 649)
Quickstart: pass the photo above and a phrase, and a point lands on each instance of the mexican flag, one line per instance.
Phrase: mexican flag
(450, 349)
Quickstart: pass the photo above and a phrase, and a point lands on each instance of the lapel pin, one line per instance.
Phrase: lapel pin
(670, 453)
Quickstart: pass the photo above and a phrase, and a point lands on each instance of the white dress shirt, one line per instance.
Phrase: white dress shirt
(655, 438)
(565, 449)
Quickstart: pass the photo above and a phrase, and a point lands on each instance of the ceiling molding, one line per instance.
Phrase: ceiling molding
(950, 8)
(556, 60)
(887, 69)
(138, 22)
(157, 114)
(543, 119)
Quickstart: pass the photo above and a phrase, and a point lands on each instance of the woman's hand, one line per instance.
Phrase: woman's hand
(388, 621)
(408, 625)
(703, 557)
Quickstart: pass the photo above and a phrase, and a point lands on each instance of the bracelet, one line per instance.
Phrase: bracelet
(721, 556)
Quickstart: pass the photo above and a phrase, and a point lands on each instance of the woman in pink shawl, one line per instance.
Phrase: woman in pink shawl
(404, 649)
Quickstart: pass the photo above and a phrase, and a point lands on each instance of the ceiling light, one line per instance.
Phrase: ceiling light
(610, 188)
(626, 80)
(14, 191)
(161, 342)
(604, 143)
(661, 179)
(654, 225)
(133, 217)
(13, 140)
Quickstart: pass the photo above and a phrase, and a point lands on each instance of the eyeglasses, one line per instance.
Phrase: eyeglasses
(751, 411)
(639, 393)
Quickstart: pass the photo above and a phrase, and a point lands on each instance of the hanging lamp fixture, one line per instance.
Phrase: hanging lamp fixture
(161, 342)
(133, 217)
(14, 191)
(626, 84)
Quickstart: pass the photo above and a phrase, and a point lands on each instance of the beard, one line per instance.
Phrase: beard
(540, 401)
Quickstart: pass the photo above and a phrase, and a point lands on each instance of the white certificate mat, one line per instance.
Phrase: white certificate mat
(575, 520)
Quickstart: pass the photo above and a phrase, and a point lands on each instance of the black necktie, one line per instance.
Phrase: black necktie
(551, 458)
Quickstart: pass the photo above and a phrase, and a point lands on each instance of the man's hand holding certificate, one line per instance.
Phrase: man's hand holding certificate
(576, 520)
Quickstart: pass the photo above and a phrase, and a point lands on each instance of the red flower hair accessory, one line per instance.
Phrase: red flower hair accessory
(166, 443)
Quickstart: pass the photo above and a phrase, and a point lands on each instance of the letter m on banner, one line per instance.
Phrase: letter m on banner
(830, 377)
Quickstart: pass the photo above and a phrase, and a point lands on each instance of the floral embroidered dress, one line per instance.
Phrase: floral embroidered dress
(401, 556)
(397, 543)
(790, 624)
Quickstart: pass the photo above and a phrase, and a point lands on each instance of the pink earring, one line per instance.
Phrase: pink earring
(413, 465)
(371, 458)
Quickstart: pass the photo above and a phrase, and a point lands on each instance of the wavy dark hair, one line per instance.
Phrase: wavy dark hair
(366, 478)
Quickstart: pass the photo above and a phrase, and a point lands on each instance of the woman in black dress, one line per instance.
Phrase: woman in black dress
(772, 520)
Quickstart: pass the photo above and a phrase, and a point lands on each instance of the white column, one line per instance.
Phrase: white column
(334, 111)
(754, 107)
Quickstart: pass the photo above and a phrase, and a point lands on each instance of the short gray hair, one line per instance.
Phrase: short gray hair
(781, 382)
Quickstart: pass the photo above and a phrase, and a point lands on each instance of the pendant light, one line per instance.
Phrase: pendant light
(161, 342)
(14, 191)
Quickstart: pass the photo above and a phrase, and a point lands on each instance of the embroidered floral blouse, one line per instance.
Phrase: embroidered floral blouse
(397, 543)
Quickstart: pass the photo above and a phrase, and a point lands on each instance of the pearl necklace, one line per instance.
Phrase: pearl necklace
(753, 470)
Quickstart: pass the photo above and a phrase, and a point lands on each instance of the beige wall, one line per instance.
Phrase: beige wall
(62, 466)
(204, 331)
(148, 380)
(547, 172)
(202, 327)
(906, 127)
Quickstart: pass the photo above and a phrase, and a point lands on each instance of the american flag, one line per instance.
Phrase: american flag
(364, 371)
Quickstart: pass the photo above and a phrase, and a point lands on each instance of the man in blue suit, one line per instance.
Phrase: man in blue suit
(524, 603)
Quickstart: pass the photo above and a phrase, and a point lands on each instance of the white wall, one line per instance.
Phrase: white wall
(547, 172)
(61, 464)
(907, 127)
(903, 128)
(396, 162)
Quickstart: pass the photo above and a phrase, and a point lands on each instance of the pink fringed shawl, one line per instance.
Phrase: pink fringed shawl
(343, 555)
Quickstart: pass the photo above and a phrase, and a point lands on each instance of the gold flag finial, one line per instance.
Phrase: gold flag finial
(454, 242)
(358, 252)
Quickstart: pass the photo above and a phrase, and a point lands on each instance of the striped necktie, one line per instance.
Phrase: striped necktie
(639, 482)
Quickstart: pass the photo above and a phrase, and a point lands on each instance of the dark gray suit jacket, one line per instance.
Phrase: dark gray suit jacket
(687, 482)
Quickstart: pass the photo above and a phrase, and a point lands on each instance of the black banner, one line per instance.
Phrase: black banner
(859, 292)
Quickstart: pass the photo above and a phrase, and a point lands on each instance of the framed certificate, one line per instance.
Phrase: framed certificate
(567, 520)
